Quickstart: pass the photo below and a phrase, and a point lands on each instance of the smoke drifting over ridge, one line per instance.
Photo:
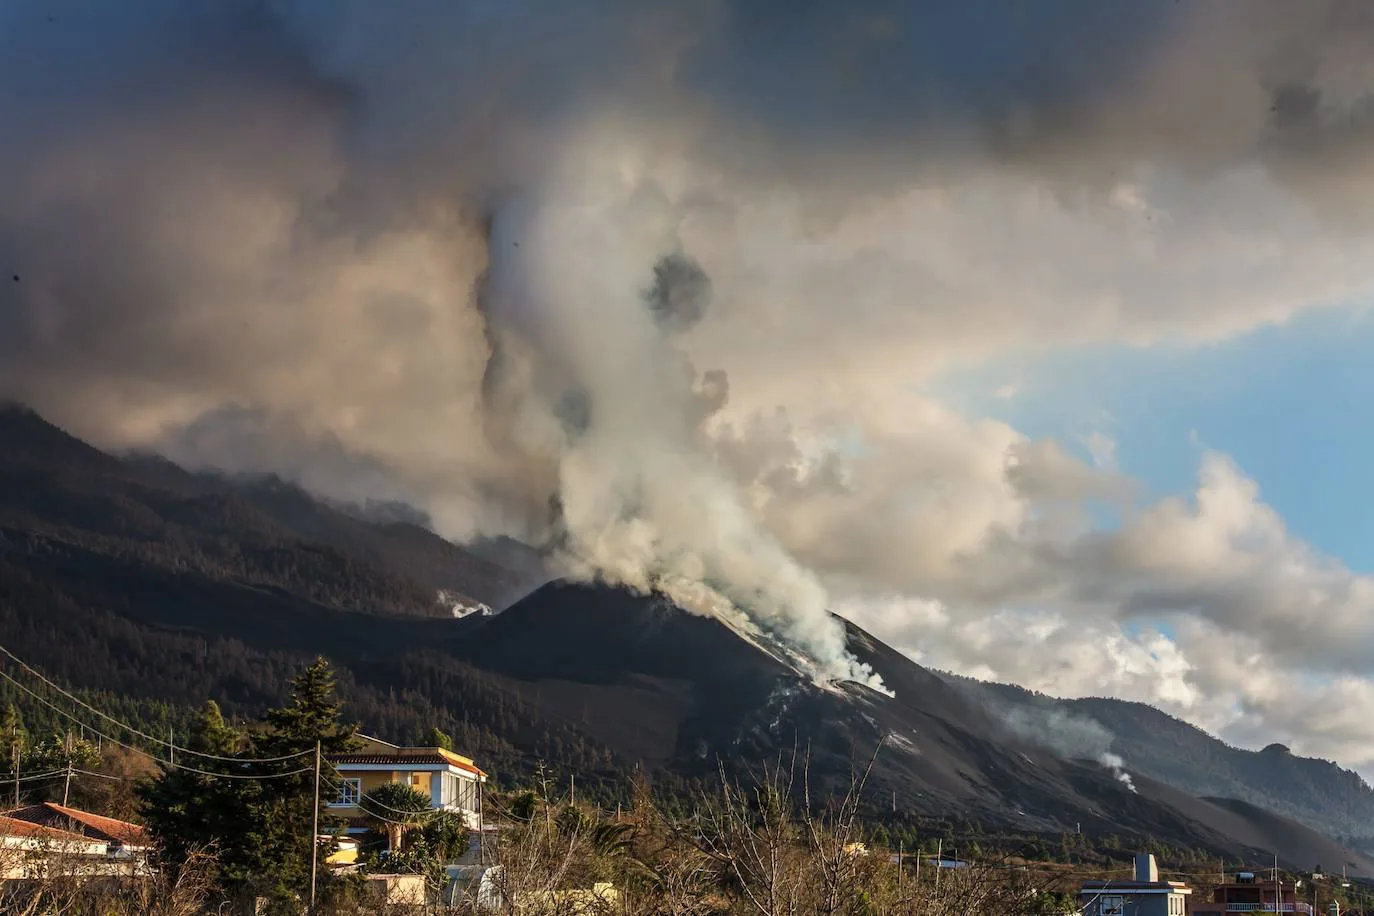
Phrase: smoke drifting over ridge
(1068, 735)
(517, 262)
(591, 385)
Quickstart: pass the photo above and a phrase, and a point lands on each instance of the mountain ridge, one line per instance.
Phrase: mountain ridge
(131, 575)
(1176, 752)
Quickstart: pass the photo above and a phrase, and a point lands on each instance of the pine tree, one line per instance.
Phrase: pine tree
(60, 751)
(186, 811)
(284, 839)
(436, 738)
(311, 715)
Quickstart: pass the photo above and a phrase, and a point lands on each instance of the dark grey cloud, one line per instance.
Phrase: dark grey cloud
(267, 221)
(122, 120)
(680, 294)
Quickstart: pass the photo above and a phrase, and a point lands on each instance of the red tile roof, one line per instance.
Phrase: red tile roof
(94, 826)
(11, 826)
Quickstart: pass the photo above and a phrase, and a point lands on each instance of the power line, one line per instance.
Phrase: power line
(364, 803)
(131, 730)
(36, 776)
(167, 763)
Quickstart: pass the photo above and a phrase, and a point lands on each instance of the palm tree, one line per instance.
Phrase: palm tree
(397, 806)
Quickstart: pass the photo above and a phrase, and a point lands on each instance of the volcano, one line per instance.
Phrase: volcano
(671, 690)
(141, 583)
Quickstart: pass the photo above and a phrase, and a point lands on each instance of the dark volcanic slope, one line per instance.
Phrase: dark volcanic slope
(132, 577)
(1260, 833)
(652, 681)
(664, 687)
(59, 494)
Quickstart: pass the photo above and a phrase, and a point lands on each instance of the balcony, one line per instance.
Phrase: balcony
(1268, 907)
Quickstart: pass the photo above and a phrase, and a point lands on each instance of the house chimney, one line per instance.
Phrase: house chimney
(1146, 871)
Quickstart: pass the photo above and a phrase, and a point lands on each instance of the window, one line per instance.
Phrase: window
(350, 791)
(1113, 905)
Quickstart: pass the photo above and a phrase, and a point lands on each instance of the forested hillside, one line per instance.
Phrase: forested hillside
(61, 498)
(155, 589)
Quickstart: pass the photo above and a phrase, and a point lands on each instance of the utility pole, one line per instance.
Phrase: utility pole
(71, 749)
(315, 829)
(901, 866)
(15, 749)
(1278, 888)
(572, 788)
(939, 861)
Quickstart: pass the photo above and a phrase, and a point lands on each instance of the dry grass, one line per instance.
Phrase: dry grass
(761, 848)
(56, 877)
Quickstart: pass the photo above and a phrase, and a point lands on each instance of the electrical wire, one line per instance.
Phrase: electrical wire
(167, 763)
(362, 799)
(10, 780)
(131, 730)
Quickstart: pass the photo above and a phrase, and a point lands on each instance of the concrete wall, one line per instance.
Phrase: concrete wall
(1132, 904)
(396, 890)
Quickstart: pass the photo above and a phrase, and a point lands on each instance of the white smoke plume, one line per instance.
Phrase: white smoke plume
(1068, 735)
(515, 262)
(1117, 766)
(308, 240)
(587, 286)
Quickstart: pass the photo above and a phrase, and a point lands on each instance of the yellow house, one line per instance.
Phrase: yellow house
(451, 781)
(345, 852)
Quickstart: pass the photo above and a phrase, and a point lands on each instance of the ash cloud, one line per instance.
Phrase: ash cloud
(412, 242)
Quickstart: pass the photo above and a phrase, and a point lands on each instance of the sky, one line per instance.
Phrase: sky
(1029, 336)
(1279, 400)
